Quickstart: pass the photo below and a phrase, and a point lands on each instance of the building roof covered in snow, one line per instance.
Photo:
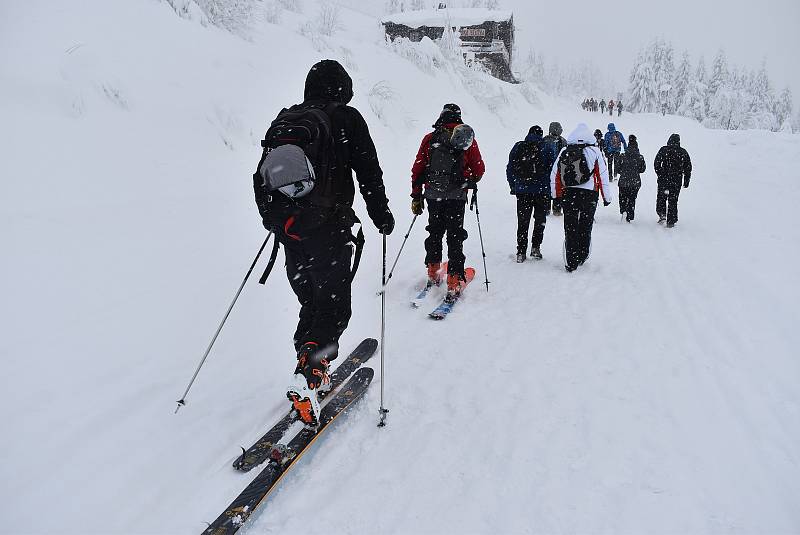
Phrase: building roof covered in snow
(438, 17)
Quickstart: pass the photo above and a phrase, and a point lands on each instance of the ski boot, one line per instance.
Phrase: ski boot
(453, 286)
(434, 274)
(309, 376)
(536, 253)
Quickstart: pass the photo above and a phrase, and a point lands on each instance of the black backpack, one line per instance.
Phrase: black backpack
(573, 167)
(293, 176)
(528, 162)
(445, 161)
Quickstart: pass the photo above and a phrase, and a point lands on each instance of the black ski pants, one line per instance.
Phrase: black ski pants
(579, 206)
(318, 268)
(627, 202)
(538, 204)
(667, 201)
(446, 217)
(613, 161)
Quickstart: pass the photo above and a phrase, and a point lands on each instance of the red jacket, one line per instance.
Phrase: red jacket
(473, 162)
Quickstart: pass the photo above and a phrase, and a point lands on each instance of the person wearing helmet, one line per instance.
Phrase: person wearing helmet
(448, 163)
(312, 217)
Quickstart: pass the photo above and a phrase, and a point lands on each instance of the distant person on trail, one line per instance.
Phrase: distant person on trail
(578, 174)
(600, 142)
(448, 163)
(556, 142)
(619, 108)
(311, 215)
(615, 141)
(611, 107)
(528, 174)
(673, 167)
(602, 106)
(631, 165)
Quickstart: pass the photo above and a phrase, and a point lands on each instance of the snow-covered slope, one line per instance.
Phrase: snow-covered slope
(129, 137)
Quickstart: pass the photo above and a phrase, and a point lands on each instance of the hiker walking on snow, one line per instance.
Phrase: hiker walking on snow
(448, 163)
(311, 215)
(611, 107)
(556, 142)
(600, 142)
(619, 108)
(578, 175)
(631, 165)
(615, 141)
(602, 106)
(528, 174)
(673, 167)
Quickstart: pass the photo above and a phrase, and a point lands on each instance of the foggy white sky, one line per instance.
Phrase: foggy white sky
(613, 32)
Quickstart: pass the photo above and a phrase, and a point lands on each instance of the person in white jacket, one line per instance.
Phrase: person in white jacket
(578, 177)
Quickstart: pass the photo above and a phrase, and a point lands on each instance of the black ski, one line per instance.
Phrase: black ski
(259, 452)
(282, 458)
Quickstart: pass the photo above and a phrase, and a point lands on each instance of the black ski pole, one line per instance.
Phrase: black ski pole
(405, 239)
(383, 411)
(182, 401)
(474, 202)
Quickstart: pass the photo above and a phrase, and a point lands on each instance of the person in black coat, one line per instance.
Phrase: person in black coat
(673, 167)
(631, 165)
(557, 142)
(317, 239)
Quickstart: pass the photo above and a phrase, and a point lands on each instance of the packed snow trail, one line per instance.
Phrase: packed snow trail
(653, 390)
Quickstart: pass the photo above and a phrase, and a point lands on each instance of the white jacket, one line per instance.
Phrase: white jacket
(594, 159)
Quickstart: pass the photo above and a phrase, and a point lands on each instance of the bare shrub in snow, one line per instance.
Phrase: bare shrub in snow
(295, 6)
(232, 15)
(381, 97)
(272, 12)
(328, 20)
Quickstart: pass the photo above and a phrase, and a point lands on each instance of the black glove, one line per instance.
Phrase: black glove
(606, 203)
(387, 225)
(685, 182)
(417, 205)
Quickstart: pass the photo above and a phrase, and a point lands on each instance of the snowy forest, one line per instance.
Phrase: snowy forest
(728, 97)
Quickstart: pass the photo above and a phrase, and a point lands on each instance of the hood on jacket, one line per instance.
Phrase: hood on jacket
(633, 143)
(674, 140)
(555, 129)
(535, 133)
(581, 134)
(328, 81)
(451, 113)
(598, 134)
(611, 127)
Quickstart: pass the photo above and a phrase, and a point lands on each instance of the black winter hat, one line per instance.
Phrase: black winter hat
(555, 129)
(674, 140)
(327, 80)
(598, 133)
(536, 130)
(633, 143)
(451, 113)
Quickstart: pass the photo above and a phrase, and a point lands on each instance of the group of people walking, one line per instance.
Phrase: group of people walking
(304, 191)
(578, 172)
(590, 104)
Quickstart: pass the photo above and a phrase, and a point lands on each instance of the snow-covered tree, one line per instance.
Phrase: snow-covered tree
(783, 107)
(643, 89)
(719, 73)
(682, 80)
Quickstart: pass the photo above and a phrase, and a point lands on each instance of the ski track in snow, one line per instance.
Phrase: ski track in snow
(654, 390)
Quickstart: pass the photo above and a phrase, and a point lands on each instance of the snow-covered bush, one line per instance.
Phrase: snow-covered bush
(381, 97)
(232, 15)
(425, 54)
(328, 20)
(295, 6)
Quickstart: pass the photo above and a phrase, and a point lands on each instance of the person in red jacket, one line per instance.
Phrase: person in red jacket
(448, 163)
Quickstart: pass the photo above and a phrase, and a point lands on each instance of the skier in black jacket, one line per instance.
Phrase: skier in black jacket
(672, 166)
(556, 142)
(631, 165)
(317, 240)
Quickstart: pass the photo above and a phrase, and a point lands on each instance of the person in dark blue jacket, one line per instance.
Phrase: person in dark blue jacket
(528, 173)
(615, 141)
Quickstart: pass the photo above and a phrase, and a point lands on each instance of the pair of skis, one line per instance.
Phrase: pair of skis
(446, 306)
(281, 457)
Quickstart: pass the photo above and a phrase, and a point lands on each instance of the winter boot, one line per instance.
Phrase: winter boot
(536, 253)
(434, 274)
(454, 286)
(556, 211)
(520, 256)
(309, 375)
(670, 225)
(661, 219)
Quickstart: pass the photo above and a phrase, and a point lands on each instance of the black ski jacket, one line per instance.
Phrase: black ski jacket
(328, 82)
(630, 166)
(672, 164)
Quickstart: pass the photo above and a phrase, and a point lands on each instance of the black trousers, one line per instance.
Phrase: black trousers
(446, 217)
(538, 204)
(556, 204)
(318, 268)
(613, 161)
(579, 206)
(627, 201)
(667, 201)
